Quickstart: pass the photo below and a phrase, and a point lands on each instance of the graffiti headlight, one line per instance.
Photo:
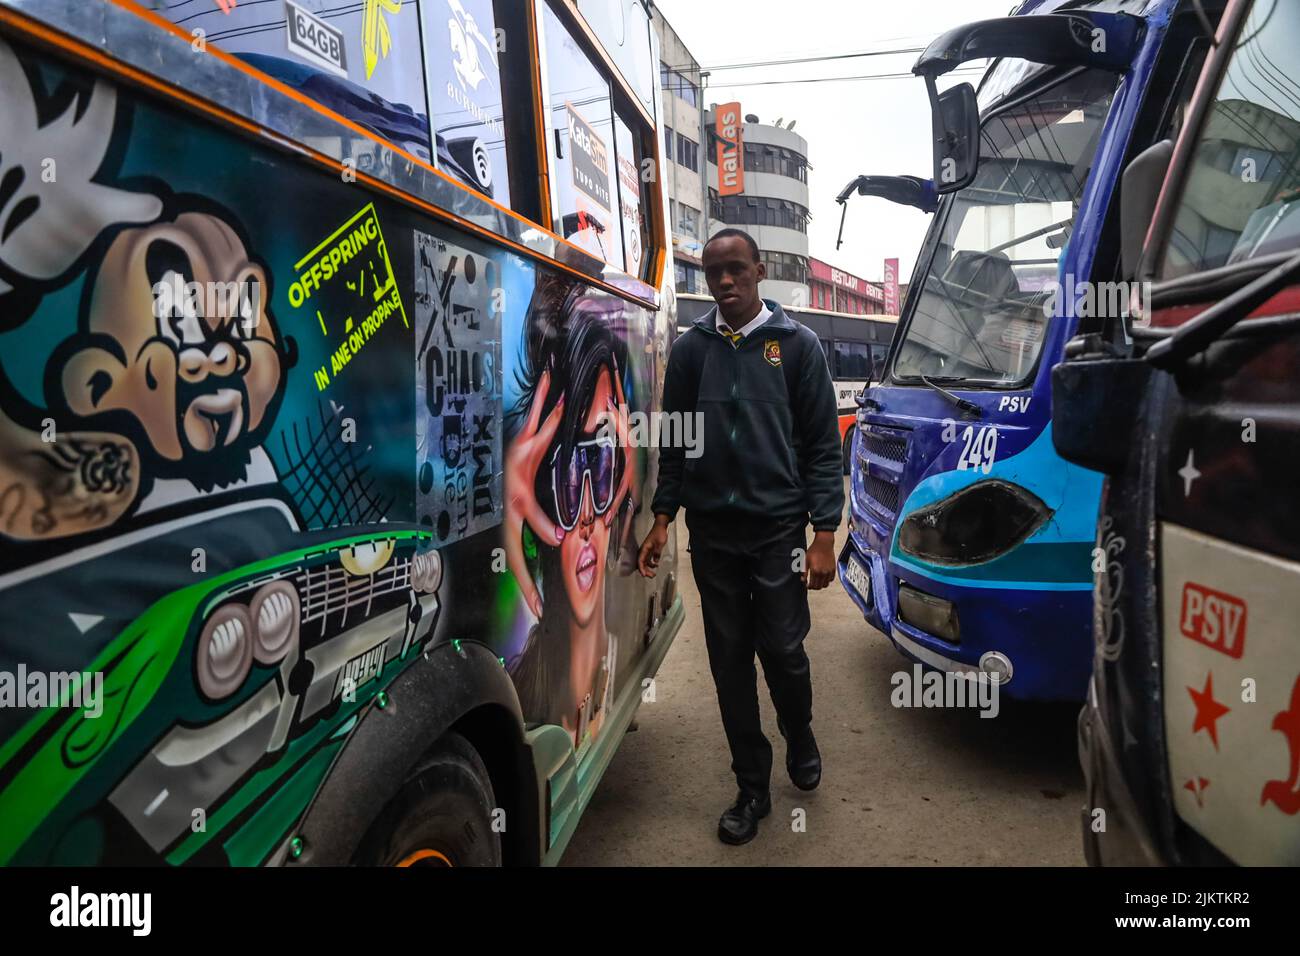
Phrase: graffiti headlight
(426, 571)
(225, 651)
(976, 524)
(274, 613)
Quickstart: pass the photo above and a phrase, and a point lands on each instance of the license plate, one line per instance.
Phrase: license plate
(1232, 694)
(858, 577)
(359, 670)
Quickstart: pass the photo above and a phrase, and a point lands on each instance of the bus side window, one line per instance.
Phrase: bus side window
(367, 69)
(580, 144)
(843, 363)
(466, 72)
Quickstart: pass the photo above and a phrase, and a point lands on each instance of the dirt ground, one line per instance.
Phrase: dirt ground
(907, 786)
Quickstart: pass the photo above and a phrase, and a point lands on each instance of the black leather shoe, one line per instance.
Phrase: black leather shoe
(803, 761)
(739, 823)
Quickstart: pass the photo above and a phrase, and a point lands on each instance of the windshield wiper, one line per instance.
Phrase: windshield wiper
(1201, 332)
(968, 407)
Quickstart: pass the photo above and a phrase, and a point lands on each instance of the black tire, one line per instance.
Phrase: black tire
(442, 816)
(847, 449)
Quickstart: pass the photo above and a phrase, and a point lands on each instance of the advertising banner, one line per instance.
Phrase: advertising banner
(731, 167)
(892, 305)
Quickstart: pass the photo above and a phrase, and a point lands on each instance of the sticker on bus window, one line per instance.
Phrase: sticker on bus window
(314, 40)
(590, 159)
(458, 389)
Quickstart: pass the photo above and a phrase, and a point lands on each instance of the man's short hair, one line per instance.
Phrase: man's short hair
(729, 233)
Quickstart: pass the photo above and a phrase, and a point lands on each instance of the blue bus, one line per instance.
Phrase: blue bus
(971, 540)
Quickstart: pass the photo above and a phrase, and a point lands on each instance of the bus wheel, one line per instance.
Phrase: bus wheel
(442, 816)
(848, 449)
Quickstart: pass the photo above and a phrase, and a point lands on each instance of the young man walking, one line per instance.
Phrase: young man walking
(769, 466)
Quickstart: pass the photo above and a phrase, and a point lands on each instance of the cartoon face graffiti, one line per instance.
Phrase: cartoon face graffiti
(178, 337)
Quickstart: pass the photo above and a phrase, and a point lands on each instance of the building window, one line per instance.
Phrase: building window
(759, 211)
(686, 220)
(715, 206)
(688, 152)
(762, 158)
(690, 278)
(785, 266)
(674, 82)
(668, 143)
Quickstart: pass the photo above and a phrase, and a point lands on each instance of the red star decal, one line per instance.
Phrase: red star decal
(1198, 786)
(1208, 710)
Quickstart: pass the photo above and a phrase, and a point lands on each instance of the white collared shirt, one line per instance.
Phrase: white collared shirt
(763, 315)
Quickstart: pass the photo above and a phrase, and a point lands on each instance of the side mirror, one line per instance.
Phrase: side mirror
(1139, 190)
(956, 129)
(903, 190)
(1094, 399)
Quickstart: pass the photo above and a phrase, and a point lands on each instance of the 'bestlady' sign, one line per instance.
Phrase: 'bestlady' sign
(731, 171)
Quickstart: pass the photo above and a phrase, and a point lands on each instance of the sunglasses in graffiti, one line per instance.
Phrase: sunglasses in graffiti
(589, 466)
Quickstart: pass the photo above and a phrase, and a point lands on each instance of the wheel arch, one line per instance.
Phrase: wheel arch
(462, 687)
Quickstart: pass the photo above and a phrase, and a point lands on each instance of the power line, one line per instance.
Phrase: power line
(696, 68)
(836, 79)
(815, 59)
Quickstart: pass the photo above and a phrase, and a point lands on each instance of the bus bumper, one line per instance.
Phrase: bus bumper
(1042, 636)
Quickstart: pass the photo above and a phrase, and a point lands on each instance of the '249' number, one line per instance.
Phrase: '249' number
(979, 450)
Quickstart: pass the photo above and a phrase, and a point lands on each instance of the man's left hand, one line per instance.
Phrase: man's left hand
(821, 561)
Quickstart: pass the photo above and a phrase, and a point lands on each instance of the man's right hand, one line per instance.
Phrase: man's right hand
(653, 547)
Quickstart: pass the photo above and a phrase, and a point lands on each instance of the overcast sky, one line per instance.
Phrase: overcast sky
(852, 126)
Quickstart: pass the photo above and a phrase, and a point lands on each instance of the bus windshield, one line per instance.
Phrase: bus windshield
(980, 317)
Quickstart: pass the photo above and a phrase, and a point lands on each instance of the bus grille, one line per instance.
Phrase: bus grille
(881, 456)
(888, 447)
(882, 492)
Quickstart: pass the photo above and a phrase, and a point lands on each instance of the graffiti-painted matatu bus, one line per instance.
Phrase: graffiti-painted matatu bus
(1190, 737)
(310, 316)
(970, 538)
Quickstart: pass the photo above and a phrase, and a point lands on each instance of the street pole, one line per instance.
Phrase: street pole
(706, 151)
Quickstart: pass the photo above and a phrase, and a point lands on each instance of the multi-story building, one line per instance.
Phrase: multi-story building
(838, 291)
(683, 116)
(773, 207)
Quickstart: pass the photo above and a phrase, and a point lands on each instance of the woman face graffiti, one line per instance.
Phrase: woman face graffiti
(583, 486)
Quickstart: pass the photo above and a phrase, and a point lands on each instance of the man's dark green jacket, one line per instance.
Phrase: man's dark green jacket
(771, 442)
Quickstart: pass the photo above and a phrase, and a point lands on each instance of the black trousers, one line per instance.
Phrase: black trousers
(755, 602)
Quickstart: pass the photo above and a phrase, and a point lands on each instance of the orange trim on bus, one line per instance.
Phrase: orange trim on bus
(81, 50)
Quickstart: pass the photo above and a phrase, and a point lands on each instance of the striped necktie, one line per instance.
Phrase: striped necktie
(735, 337)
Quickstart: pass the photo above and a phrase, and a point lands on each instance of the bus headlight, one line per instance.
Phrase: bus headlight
(976, 524)
(274, 613)
(225, 652)
(426, 571)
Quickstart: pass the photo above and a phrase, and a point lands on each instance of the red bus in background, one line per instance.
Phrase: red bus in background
(855, 346)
